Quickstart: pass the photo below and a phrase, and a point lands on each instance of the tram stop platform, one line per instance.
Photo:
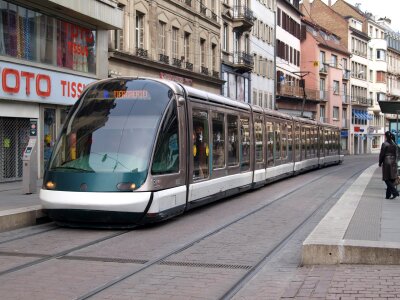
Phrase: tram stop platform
(361, 228)
(17, 209)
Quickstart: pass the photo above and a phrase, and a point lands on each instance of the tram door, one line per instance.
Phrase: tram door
(199, 151)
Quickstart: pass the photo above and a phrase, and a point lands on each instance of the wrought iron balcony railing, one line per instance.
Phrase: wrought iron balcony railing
(189, 66)
(164, 58)
(204, 70)
(141, 52)
(361, 101)
(176, 62)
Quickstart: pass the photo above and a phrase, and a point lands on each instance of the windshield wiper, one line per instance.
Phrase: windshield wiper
(72, 168)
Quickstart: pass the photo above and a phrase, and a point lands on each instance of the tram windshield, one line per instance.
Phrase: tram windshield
(112, 128)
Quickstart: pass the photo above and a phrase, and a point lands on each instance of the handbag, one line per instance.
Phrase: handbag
(397, 180)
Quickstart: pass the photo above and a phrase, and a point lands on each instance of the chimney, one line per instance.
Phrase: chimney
(329, 3)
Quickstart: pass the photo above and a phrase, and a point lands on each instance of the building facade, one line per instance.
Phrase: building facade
(289, 93)
(325, 59)
(237, 20)
(49, 51)
(262, 42)
(175, 40)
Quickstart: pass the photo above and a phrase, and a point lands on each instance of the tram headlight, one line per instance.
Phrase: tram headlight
(126, 186)
(50, 185)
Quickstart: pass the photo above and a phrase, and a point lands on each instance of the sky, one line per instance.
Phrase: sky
(380, 8)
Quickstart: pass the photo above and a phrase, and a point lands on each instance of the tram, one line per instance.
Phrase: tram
(134, 151)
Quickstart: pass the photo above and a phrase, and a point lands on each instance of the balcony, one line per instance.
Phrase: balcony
(346, 74)
(316, 95)
(142, 52)
(324, 69)
(176, 62)
(346, 99)
(204, 70)
(289, 90)
(243, 18)
(242, 61)
(164, 58)
(361, 101)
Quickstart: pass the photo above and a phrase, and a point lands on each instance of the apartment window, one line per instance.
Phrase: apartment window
(322, 59)
(322, 113)
(162, 37)
(335, 113)
(202, 52)
(175, 35)
(246, 44)
(214, 56)
(344, 63)
(186, 46)
(336, 87)
(380, 54)
(380, 76)
(322, 88)
(139, 38)
(225, 38)
(334, 61)
(279, 17)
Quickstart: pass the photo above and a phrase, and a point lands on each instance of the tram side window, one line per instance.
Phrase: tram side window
(166, 157)
(233, 149)
(303, 143)
(290, 141)
(218, 147)
(326, 142)
(312, 139)
(200, 136)
(284, 142)
(278, 145)
(308, 142)
(297, 142)
(270, 144)
(258, 129)
(245, 143)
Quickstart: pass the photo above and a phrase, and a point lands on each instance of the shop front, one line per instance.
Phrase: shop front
(43, 96)
(45, 63)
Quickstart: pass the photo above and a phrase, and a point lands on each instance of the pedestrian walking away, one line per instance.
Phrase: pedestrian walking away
(388, 162)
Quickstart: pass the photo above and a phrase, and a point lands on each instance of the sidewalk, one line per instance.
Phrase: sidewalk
(362, 228)
(17, 209)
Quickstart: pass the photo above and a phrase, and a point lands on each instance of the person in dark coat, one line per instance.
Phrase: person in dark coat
(388, 161)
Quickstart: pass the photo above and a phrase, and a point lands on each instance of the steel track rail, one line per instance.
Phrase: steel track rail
(278, 246)
(211, 233)
(28, 235)
(62, 253)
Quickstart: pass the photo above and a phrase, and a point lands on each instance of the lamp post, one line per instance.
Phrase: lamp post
(302, 74)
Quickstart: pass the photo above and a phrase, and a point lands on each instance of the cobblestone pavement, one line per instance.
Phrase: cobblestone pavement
(345, 282)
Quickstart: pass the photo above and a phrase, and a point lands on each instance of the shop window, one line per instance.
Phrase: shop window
(29, 35)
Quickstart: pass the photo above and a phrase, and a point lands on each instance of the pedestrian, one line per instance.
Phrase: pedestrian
(388, 161)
